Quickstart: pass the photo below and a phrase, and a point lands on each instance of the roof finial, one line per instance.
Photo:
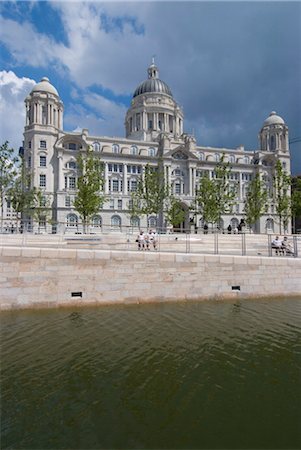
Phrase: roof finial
(153, 60)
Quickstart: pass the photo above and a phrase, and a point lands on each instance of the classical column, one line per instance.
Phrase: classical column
(240, 185)
(125, 180)
(61, 177)
(190, 180)
(106, 179)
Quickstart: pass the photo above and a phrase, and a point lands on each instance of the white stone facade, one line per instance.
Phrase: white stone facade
(154, 126)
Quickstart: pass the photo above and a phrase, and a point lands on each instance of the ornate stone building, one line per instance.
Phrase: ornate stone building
(154, 126)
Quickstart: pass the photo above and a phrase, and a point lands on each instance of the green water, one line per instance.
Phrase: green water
(174, 376)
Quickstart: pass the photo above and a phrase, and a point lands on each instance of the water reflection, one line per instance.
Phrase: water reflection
(190, 375)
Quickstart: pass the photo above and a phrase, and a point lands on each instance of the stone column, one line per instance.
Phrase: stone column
(240, 187)
(106, 179)
(125, 180)
(61, 175)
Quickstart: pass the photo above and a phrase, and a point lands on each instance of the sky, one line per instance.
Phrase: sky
(228, 64)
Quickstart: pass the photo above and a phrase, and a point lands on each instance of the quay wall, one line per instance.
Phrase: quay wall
(51, 277)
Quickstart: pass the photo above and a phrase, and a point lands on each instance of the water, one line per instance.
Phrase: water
(206, 375)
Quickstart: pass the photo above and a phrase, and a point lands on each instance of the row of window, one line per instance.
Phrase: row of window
(217, 158)
(73, 220)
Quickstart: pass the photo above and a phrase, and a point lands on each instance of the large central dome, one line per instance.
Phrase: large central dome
(153, 84)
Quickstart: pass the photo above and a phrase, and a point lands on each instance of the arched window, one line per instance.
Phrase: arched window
(96, 222)
(217, 157)
(116, 221)
(96, 146)
(269, 225)
(246, 160)
(151, 151)
(201, 156)
(115, 148)
(71, 146)
(232, 159)
(152, 222)
(272, 143)
(234, 223)
(135, 222)
(134, 150)
(220, 224)
(72, 220)
(71, 165)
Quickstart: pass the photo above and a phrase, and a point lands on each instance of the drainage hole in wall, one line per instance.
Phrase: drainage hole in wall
(235, 288)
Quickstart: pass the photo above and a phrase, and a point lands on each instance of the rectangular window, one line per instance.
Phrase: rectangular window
(177, 188)
(8, 204)
(130, 204)
(119, 204)
(111, 203)
(120, 168)
(42, 144)
(42, 161)
(110, 167)
(133, 185)
(29, 144)
(42, 180)
(66, 185)
(139, 169)
(42, 222)
(29, 161)
(71, 146)
(72, 183)
(115, 185)
(67, 201)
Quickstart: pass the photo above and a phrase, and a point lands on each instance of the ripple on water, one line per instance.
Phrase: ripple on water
(190, 375)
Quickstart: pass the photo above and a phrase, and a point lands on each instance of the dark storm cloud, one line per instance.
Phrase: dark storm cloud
(231, 65)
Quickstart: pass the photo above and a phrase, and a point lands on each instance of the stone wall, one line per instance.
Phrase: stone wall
(49, 277)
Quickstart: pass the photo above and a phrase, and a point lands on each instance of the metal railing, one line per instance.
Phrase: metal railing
(215, 242)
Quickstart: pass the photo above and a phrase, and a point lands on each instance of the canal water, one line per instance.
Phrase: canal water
(210, 375)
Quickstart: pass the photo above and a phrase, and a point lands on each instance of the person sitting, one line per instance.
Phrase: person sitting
(277, 245)
(287, 247)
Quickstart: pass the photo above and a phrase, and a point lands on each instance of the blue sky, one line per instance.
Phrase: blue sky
(228, 64)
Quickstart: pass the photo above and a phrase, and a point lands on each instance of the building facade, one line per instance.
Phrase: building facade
(154, 130)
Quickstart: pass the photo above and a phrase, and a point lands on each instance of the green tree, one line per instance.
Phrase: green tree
(282, 182)
(8, 172)
(216, 196)
(255, 201)
(21, 196)
(151, 194)
(175, 213)
(89, 198)
(296, 200)
(40, 210)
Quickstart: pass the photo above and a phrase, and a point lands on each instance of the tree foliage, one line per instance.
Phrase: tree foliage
(89, 198)
(151, 193)
(8, 172)
(255, 201)
(296, 199)
(216, 196)
(282, 182)
(175, 213)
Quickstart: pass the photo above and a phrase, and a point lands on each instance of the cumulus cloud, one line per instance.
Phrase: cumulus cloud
(227, 63)
(13, 91)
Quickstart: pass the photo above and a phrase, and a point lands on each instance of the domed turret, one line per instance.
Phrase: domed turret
(45, 86)
(153, 84)
(43, 106)
(273, 119)
(153, 110)
(274, 134)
